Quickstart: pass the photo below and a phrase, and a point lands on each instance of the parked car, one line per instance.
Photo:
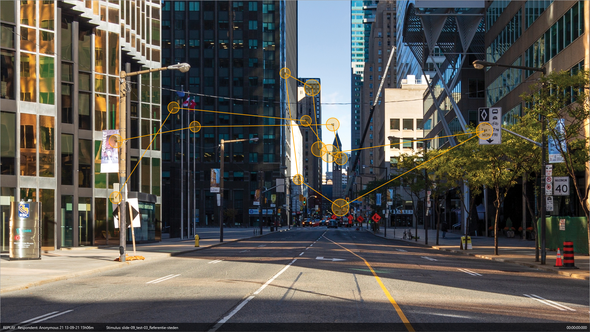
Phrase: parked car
(332, 223)
(306, 222)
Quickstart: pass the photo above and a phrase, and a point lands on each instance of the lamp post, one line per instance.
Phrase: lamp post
(479, 64)
(221, 162)
(183, 67)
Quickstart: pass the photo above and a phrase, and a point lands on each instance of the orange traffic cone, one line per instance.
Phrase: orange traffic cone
(558, 262)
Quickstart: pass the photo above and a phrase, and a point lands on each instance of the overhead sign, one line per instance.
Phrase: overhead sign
(493, 132)
(561, 186)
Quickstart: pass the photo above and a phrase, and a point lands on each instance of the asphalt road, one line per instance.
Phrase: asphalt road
(311, 279)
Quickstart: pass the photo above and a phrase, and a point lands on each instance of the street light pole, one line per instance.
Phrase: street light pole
(222, 162)
(123, 78)
(478, 64)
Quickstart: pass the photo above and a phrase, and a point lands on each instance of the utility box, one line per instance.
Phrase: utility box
(25, 230)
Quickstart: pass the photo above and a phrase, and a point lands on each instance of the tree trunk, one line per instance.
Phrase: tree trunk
(437, 209)
(497, 206)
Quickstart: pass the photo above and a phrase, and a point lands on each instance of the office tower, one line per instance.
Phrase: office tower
(236, 50)
(60, 63)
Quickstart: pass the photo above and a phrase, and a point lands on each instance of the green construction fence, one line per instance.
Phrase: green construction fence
(575, 230)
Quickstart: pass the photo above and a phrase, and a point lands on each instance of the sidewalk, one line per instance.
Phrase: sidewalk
(68, 263)
(511, 250)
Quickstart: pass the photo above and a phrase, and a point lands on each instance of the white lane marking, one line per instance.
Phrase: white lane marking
(38, 319)
(306, 248)
(215, 261)
(168, 277)
(241, 305)
(244, 250)
(402, 250)
(301, 253)
(262, 245)
(321, 258)
(470, 272)
(428, 258)
(311, 245)
(549, 302)
(449, 315)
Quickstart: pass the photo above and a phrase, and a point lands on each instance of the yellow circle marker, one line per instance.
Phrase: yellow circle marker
(195, 126)
(317, 148)
(115, 141)
(297, 179)
(332, 124)
(340, 158)
(285, 73)
(173, 107)
(312, 87)
(115, 197)
(305, 120)
(340, 207)
(484, 130)
(328, 152)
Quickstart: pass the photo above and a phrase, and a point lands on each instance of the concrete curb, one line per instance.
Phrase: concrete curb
(497, 259)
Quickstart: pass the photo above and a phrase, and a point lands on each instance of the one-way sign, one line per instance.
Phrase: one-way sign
(491, 133)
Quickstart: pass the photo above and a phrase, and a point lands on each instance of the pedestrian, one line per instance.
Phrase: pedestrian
(444, 228)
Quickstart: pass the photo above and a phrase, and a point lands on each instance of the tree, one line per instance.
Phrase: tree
(413, 180)
(564, 95)
(439, 181)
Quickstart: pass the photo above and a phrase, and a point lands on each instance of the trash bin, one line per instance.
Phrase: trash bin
(25, 230)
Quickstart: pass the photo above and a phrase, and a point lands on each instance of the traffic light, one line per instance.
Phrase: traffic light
(304, 201)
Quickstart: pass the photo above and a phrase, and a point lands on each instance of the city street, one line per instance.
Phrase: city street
(310, 279)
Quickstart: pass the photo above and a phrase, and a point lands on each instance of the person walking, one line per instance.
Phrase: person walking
(444, 228)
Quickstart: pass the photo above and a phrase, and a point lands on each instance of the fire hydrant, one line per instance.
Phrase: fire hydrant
(196, 240)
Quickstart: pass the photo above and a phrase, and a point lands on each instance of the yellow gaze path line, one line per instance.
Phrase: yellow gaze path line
(399, 311)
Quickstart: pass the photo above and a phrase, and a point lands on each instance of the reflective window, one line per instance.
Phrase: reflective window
(84, 53)
(85, 157)
(7, 74)
(100, 51)
(156, 140)
(46, 42)
(100, 83)
(114, 112)
(46, 15)
(100, 179)
(67, 115)
(156, 176)
(66, 40)
(7, 143)
(6, 35)
(145, 133)
(84, 120)
(408, 124)
(47, 147)
(145, 175)
(155, 87)
(28, 39)
(28, 12)
(67, 159)
(100, 112)
(28, 144)
(46, 80)
(47, 199)
(7, 11)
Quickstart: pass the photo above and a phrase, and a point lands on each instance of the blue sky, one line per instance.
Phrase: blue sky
(324, 52)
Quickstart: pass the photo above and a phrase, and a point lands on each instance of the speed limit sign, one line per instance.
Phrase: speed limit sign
(561, 186)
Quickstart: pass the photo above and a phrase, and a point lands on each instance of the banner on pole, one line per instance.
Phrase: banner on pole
(215, 180)
(109, 154)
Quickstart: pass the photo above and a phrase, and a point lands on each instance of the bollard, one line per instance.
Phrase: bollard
(196, 240)
(568, 255)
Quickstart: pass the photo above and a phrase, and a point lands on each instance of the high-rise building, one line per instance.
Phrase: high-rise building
(60, 67)
(236, 50)
(337, 190)
(310, 104)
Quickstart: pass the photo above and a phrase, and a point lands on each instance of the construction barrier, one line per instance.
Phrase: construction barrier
(558, 262)
(466, 243)
(568, 255)
(572, 229)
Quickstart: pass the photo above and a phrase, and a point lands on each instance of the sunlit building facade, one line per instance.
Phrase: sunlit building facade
(60, 66)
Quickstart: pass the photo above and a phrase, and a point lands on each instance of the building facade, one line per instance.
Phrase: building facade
(236, 50)
(60, 65)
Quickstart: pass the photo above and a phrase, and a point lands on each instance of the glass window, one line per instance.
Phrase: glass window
(84, 120)
(100, 179)
(100, 51)
(7, 74)
(100, 213)
(28, 12)
(407, 143)
(253, 6)
(100, 83)
(408, 124)
(7, 11)
(84, 49)
(100, 112)
(28, 144)
(114, 54)
(419, 125)
(154, 137)
(67, 215)
(85, 230)
(46, 80)
(66, 104)
(156, 176)
(394, 124)
(85, 158)
(145, 175)
(67, 72)
(394, 143)
(114, 112)
(47, 199)
(145, 133)
(46, 15)
(113, 15)
(28, 77)
(47, 148)
(46, 42)
(67, 159)
(66, 40)
(6, 35)
(7, 143)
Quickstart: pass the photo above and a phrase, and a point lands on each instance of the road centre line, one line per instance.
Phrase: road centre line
(170, 276)
(549, 302)
(39, 319)
(241, 305)
(470, 272)
(399, 311)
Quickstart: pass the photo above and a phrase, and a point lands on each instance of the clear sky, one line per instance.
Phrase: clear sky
(324, 52)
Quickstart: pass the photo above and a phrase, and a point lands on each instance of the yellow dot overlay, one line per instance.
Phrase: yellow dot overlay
(173, 107)
(115, 197)
(305, 120)
(298, 179)
(115, 141)
(195, 126)
(328, 152)
(285, 73)
(312, 87)
(340, 158)
(340, 207)
(484, 130)
(317, 148)
(332, 124)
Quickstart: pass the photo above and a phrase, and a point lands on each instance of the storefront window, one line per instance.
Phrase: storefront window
(67, 221)
(7, 143)
(28, 144)
(47, 198)
(47, 148)
(27, 194)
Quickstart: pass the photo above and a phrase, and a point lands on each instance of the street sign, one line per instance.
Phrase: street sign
(561, 186)
(253, 211)
(360, 219)
(349, 218)
(493, 116)
(562, 224)
(376, 217)
(378, 199)
(549, 205)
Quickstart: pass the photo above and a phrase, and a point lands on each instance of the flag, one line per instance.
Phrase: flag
(192, 104)
(186, 102)
(180, 93)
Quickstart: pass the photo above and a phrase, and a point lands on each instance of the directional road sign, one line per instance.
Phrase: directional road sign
(492, 133)
(376, 217)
